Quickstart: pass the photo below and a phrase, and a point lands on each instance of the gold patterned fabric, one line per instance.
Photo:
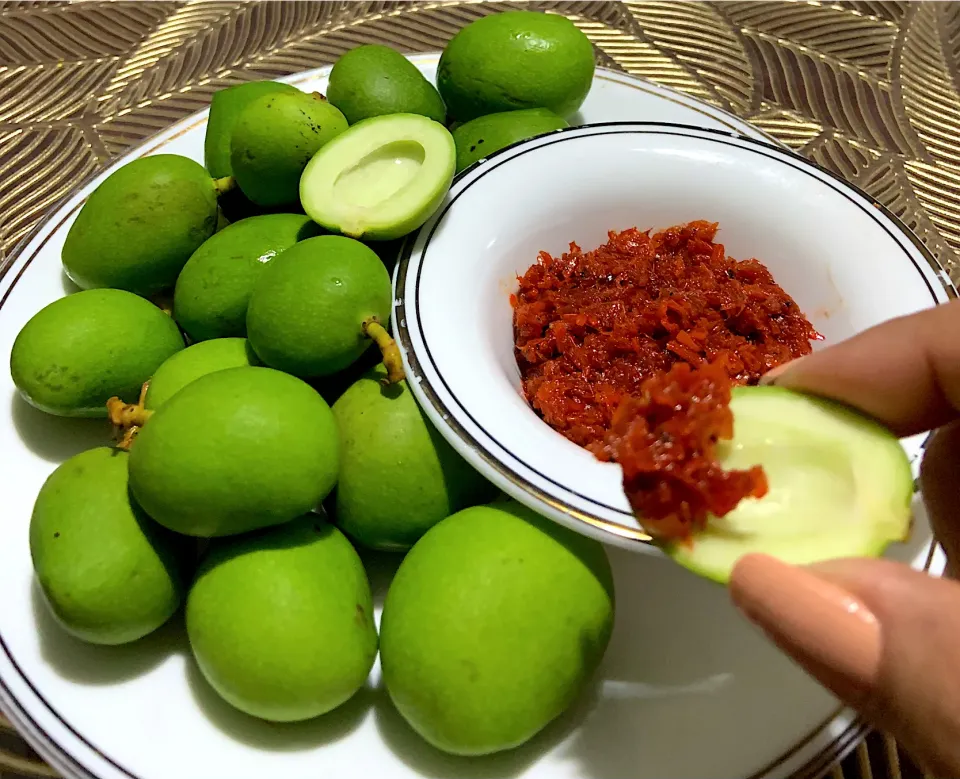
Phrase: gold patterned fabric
(870, 90)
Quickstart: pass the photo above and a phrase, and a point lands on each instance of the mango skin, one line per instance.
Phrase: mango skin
(375, 80)
(492, 627)
(213, 289)
(195, 361)
(234, 451)
(398, 475)
(513, 60)
(281, 621)
(332, 387)
(484, 135)
(109, 574)
(140, 226)
(79, 351)
(273, 140)
(307, 309)
(226, 105)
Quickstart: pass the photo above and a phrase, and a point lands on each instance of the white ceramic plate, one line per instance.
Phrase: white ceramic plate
(687, 688)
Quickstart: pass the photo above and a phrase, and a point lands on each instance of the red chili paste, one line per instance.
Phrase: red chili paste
(591, 327)
(665, 439)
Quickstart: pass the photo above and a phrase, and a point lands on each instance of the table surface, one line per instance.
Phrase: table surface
(870, 90)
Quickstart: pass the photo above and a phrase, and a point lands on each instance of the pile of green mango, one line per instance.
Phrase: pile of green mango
(263, 430)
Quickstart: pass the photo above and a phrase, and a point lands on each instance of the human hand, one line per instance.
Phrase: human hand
(881, 636)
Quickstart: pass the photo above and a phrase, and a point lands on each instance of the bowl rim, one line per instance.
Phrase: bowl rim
(463, 440)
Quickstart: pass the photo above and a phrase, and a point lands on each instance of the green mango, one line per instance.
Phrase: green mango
(137, 229)
(212, 292)
(281, 621)
(516, 59)
(274, 138)
(81, 350)
(234, 451)
(109, 574)
(492, 627)
(375, 80)
(484, 135)
(307, 311)
(195, 361)
(398, 475)
(226, 105)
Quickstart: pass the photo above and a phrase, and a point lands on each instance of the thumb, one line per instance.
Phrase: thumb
(884, 638)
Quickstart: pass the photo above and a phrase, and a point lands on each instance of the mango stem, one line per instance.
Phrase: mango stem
(388, 348)
(128, 418)
(224, 185)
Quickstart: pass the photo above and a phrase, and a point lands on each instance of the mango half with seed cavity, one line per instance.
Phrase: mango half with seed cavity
(381, 179)
(840, 485)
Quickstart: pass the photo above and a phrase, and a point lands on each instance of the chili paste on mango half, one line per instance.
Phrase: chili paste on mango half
(631, 351)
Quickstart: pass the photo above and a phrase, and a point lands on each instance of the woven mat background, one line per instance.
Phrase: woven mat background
(871, 90)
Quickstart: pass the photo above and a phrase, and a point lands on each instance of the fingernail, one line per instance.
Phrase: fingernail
(773, 374)
(832, 634)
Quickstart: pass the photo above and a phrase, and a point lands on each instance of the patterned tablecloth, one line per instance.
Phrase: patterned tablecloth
(870, 90)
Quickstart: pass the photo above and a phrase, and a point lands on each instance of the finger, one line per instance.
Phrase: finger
(904, 373)
(830, 633)
(882, 637)
(940, 487)
(916, 694)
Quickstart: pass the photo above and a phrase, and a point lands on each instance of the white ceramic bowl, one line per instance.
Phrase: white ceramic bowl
(847, 262)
